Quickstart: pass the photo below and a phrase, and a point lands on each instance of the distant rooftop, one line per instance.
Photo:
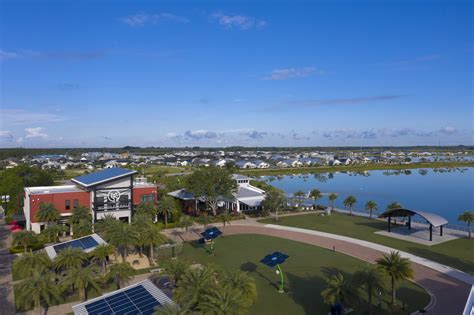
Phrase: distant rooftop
(103, 176)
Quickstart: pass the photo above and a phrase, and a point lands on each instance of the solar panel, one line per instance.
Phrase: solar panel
(274, 259)
(211, 233)
(102, 176)
(88, 242)
(136, 300)
(83, 243)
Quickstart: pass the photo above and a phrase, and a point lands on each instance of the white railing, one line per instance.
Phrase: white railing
(469, 308)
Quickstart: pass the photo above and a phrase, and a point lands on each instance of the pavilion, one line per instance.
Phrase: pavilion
(432, 219)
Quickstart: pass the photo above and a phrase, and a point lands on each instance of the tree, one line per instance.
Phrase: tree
(175, 268)
(315, 194)
(47, 213)
(147, 209)
(37, 290)
(349, 202)
(193, 285)
(82, 278)
(204, 219)
(141, 222)
(339, 290)
(244, 284)
(51, 233)
(29, 262)
(332, 197)
(106, 225)
(101, 253)
(225, 218)
(185, 222)
(69, 258)
(370, 206)
(121, 273)
(222, 299)
(152, 237)
(170, 309)
(122, 236)
(371, 278)
(213, 184)
(80, 213)
(468, 217)
(274, 200)
(166, 208)
(24, 238)
(397, 268)
(299, 194)
(394, 205)
(82, 228)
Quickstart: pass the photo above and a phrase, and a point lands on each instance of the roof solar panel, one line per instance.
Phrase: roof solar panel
(102, 176)
(82, 243)
(88, 242)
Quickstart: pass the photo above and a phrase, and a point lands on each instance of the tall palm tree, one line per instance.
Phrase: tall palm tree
(204, 219)
(349, 202)
(83, 278)
(82, 228)
(169, 309)
(80, 213)
(193, 285)
(225, 218)
(123, 236)
(371, 206)
(397, 268)
(371, 278)
(105, 225)
(37, 290)
(24, 238)
(332, 197)
(468, 217)
(243, 283)
(299, 194)
(166, 207)
(152, 237)
(222, 299)
(121, 273)
(47, 213)
(394, 205)
(141, 222)
(274, 200)
(147, 209)
(52, 232)
(101, 253)
(69, 258)
(186, 222)
(339, 289)
(315, 194)
(175, 268)
(29, 262)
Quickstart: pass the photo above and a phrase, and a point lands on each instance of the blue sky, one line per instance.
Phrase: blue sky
(221, 73)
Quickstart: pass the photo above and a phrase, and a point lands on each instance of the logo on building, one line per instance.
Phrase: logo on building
(113, 196)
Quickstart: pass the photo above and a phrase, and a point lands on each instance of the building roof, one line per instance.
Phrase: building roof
(182, 194)
(247, 193)
(87, 244)
(103, 176)
(140, 298)
(52, 189)
(432, 218)
(240, 177)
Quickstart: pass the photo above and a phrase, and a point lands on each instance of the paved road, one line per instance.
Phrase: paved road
(7, 301)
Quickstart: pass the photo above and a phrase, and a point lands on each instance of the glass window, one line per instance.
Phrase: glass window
(68, 204)
(147, 198)
(76, 203)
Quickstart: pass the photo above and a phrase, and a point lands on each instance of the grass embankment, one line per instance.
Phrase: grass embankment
(304, 271)
(353, 168)
(457, 253)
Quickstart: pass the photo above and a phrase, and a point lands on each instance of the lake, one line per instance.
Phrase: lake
(447, 192)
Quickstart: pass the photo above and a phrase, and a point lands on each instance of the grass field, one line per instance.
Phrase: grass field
(457, 253)
(305, 273)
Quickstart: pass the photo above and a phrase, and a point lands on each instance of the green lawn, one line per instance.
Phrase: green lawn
(457, 253)
(305, 272)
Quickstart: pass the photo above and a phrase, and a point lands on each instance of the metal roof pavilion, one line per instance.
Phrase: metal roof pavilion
(432, 218)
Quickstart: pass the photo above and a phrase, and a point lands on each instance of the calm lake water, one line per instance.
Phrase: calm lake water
(447, 192)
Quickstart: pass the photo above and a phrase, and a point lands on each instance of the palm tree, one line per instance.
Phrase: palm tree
(147, 209)
(349, 202)
(47, 213)
(274, 200)
(152, 237)
(244, 284)
(332, 197)
(82, 228)
(193, 285)
(141, 222)
(69, 258)
(175, 268)
(222, 299)
(80, 213)
(315, 194)
(204, 219)
(38, 289)
(397, 268)
(166, 207)
(83, 278)
(29, 262)
(52, 232)
(24, 238)
(121, 273)
(339, 289)
(299, 194)
(225, 218)
(185, 222)
(101, 253)
(394, 205)
(123, 236)
(170, 309)
(371, 206)
(371, 278)
(105, 225)
(468, 217)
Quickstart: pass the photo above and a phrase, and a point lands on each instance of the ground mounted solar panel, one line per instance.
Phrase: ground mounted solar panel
(88, 242)
(83, 243)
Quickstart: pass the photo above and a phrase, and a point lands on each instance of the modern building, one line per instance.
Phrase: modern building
(113, 191)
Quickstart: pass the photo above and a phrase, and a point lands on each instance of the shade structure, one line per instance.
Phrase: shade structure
(211, 233)
(274, 259)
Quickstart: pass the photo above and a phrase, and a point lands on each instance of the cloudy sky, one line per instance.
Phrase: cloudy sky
(221, 73)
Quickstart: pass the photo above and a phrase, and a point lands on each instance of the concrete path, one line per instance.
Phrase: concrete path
(7, 301)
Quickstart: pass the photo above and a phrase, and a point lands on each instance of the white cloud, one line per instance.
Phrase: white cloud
(35, 132)
(142, 19)
(448, 130)
(6, 135)
(289, 73)
(4, 55)
(241, 22)
(20, 116)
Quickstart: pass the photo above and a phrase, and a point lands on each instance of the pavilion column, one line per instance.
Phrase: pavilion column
(409, 222)
(389, 223)
(431, 232)
(441, 230)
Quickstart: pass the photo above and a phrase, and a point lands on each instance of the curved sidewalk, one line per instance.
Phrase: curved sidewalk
(449, 292)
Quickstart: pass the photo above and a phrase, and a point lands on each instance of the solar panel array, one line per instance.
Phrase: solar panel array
(136, 300)
(82, 243)
(103, 175)
(274, 259)
(211, 233)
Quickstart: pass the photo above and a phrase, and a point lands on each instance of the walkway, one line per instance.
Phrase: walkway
(449, 287)
(7, 301)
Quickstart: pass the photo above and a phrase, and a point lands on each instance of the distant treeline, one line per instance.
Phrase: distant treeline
(21, 152)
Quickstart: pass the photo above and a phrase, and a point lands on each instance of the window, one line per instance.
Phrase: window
(76, 203)
(147, 198)
(68, 204)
